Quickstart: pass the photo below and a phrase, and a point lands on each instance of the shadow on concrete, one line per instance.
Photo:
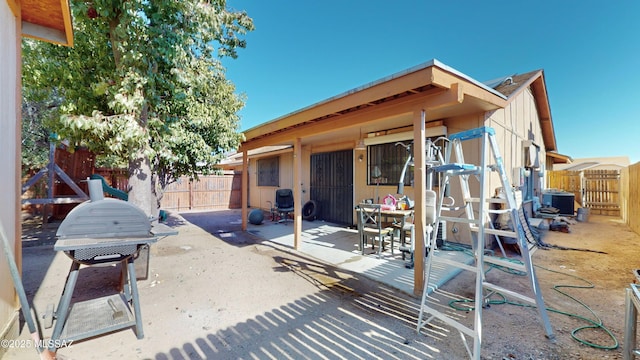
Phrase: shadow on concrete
(350, 318)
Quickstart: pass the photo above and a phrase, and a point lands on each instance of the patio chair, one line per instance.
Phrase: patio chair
(370, 226)
(284, 204)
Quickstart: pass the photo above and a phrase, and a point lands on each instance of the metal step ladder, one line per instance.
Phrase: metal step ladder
(480, 226)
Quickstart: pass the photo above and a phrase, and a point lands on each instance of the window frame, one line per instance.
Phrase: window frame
(393, 165)
(268, 171)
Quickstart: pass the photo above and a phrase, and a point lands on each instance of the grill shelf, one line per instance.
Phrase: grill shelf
(98, 232)
(87, 316)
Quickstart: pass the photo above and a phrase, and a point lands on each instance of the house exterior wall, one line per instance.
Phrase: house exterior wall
(515, 121)
(262, 197)
(9, 162)
(515, 124)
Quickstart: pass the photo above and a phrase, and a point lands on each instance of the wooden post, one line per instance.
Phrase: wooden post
(297, 193)
(420, 183)
(245, 188)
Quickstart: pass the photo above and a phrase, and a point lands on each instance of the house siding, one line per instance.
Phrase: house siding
(9, 162)
(517, 122)
(263, 196)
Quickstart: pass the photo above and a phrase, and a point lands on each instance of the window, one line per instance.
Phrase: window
(386, 162)
(269, 171)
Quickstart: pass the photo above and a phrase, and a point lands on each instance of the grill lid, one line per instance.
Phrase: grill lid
(106, 218)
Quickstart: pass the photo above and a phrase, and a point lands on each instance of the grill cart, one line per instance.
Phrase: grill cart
(100, 232)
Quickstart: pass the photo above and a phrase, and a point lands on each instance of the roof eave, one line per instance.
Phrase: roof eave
(541, 96)
(539, 89)
(559, 158)
(430, 74)
(36, 23)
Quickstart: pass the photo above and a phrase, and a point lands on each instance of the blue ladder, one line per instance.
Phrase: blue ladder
(479, 227)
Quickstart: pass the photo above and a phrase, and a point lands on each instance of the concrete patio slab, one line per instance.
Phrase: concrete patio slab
(337, 245)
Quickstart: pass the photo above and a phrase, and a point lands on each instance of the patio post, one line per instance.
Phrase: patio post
(245, 188)
(420, 186)
(297, 191)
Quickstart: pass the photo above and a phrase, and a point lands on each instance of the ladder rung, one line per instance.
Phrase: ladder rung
(489, 200)
(473, 133)
(457, 208)
(508, 293)
(506, 233)
(499, 211)
(497, 201)
(505, 263)
(459, 220)
(457, 169)
(454, 263)
(445, 319)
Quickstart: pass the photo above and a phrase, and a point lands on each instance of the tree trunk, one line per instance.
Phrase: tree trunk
(141, 190)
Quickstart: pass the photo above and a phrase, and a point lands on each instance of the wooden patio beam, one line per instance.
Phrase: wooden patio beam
(437, 98)
(366, 94)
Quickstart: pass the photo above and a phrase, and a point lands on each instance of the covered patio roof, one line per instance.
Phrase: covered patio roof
(446, 91)
(408, 101)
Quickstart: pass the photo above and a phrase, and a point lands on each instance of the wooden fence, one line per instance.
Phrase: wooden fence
(210, 192)
(602, 192)
(597, 190)
(630, 195)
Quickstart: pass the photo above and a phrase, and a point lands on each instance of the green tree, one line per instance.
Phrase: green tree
(37, 107)
(144, 82)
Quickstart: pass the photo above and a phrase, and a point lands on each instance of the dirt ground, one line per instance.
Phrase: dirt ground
(584, 289)
(218, 293)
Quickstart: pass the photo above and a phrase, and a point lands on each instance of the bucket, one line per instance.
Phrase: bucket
(583, 215)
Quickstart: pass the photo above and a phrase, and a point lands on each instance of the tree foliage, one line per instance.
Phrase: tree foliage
(144, 82)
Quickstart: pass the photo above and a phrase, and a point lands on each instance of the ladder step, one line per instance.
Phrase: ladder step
(509, 293)
(499, 211)
(505, 263)
(506, 233)
(459, 220)
(456, 208)
(445, 319)
(455, 263)
(458, 169)
(473, 133)
(489, 200)
(497, 201)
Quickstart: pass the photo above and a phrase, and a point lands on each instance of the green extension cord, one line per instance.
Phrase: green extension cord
(592, 324)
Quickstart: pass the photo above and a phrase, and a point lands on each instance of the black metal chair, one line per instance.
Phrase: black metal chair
(284, 203)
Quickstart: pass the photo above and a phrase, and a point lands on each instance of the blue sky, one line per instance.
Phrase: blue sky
(303, 52)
